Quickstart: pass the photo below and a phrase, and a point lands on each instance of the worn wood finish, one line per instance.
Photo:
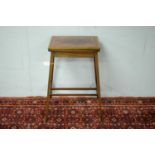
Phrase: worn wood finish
(74, 43)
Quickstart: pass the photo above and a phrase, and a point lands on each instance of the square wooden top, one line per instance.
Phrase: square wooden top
(74, 43)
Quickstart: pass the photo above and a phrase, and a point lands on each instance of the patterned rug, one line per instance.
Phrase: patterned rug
(81, 113)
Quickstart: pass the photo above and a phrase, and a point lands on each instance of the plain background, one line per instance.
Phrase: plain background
(126, 61)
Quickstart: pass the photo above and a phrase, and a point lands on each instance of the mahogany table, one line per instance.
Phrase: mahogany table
(74, 47)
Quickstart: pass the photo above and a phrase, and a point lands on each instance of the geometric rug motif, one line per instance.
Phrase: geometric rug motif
(77, 113)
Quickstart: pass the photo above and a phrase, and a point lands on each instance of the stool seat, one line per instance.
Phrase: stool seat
(74, 44)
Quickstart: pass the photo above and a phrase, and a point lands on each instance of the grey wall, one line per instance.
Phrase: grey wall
(127, 61)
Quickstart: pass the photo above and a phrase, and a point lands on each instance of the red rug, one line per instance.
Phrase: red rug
(81, 113)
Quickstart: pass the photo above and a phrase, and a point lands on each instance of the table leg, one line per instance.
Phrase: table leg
(51, 70)
(50, 82)
(96, 66)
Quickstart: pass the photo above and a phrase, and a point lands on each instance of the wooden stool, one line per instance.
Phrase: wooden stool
(78, 47)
